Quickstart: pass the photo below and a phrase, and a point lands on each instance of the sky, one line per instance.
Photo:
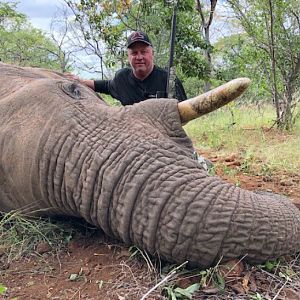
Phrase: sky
(40, 12)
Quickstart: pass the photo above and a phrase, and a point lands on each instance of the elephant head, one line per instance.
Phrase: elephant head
(130, 171)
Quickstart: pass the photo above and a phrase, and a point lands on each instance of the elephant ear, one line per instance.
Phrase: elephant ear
(195, 107)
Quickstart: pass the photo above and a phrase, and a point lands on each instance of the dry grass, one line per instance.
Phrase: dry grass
(138, 276)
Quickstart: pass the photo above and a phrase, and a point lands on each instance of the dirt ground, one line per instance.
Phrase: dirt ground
(96, 267)
(281, 182)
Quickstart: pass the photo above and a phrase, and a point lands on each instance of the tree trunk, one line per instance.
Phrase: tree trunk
(273, 63)
(285, 120)
(205, 27)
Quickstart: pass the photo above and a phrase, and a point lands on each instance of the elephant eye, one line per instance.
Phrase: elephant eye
(72, 90)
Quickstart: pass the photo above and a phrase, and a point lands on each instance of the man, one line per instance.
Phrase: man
(142, 81)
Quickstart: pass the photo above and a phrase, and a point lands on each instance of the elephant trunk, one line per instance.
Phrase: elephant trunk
(178, 212)
(203, 219)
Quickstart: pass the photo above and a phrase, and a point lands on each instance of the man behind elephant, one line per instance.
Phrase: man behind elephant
(142, 81)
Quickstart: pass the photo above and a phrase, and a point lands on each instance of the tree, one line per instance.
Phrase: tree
(100, 26)
(274, 28)
(110, 22)
(236, 56)
(22, 44)
(205, 30)
(9, 17)
(60, 35)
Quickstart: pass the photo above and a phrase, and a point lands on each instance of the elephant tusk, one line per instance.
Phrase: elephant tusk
(200, 105)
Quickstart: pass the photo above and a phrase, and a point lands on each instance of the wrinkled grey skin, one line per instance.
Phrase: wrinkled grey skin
(129, 171)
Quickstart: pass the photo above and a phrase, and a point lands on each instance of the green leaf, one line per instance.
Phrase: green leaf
(73, 277)
(270, 265)
(2, 289)
(170, 293)
(187, 292)
(179, 292)
(193, 288)
(220, 282)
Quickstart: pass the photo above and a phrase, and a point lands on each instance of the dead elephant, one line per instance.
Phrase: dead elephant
(130, 171)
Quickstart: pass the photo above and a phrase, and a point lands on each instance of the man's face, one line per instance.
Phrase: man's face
(141, 58)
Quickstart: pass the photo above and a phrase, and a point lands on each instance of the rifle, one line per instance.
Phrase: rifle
(170, 89)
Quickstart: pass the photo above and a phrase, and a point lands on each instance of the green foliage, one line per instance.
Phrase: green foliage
(236, 56)
(273, 27)
(212, 277)
(22, 44)
(280, 267)
(77, 276)
(192, 85)
(111, 21)
(229, 171)
(256, 296)
(248, 161)
(249, 137)
(174, 293)
(270, 266)
(9, 17)
(265, 170)
(103, 21)
(110, 100)
(2, 289)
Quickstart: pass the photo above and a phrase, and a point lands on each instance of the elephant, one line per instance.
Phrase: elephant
(130, 171)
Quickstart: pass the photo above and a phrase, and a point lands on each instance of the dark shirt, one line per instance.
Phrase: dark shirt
(129, 90)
